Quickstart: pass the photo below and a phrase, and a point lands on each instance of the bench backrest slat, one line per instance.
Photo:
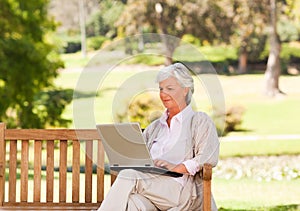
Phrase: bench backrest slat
(37, 171)
(63, 147)
(88, 171)
(51, 134)
(12, 170)
(24, 171)
(100, 172)
(76, 171)
(50, 171)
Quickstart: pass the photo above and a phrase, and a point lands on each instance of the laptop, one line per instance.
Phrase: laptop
(126, 148)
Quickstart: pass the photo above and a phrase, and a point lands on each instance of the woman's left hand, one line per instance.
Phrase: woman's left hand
(164, 164)
(180, 168)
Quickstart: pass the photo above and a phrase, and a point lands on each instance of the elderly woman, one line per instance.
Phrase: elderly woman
(181, 140)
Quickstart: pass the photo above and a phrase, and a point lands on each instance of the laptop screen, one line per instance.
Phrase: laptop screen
(124, 144)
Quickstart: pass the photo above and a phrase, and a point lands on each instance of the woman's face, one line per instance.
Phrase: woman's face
(172, 94)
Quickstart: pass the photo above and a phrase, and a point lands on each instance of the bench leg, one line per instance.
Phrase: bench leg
(207, 175)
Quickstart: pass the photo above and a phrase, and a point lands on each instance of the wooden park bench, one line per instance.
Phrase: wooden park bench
(26, 183)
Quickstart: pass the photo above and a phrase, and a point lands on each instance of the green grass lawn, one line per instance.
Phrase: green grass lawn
(247, 194)
(259, 147)
(262, 116)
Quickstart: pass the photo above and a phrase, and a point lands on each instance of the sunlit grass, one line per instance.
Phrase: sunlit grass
(263, 116)
(72, 60)
(247, 194)
(259, 147)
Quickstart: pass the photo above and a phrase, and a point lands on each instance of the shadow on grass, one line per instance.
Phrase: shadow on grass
(291, 207)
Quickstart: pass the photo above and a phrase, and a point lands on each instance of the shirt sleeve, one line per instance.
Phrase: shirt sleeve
(191, 166)
(206, 140)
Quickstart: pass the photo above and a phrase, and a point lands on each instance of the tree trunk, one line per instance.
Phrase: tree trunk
(273, 66)
(243, 58)
(170, 44)
(82, 27)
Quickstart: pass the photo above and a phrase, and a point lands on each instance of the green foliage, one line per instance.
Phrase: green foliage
(189, 38)
(103, 21)
(204, 19)
(95, 43)
(290, 50)
(67, 43)
(233, 118)
(218, 53)
(144, 109)
(287, 31)
(147, 59)
(28, 60)
(230, 121)
(72, 60)
(49, 105)
(215, 54)
(255, 46)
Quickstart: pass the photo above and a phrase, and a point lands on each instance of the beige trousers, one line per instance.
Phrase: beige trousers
(137, 191)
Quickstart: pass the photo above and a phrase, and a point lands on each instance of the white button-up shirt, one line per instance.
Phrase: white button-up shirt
(173, 143)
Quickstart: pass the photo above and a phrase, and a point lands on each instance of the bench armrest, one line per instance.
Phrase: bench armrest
(206, 177)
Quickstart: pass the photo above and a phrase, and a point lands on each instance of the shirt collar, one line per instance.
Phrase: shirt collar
(187, 112)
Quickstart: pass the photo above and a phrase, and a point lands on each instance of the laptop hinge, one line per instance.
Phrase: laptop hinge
(115, 164)
(147, 165)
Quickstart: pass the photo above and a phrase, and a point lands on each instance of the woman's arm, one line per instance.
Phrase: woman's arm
(206, 140)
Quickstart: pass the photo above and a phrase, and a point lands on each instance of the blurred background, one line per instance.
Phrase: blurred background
(253, 47)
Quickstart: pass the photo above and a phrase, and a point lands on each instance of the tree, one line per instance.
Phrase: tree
(29, 63)
(249, 35)
(102, 21)
(66, 13)
(204, 19)
(273, 66)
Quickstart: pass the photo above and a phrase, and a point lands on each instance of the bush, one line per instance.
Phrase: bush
(144, 109)
(73, 47)
(233, 118)
(229, 121)
(189, 38)
(95, 43)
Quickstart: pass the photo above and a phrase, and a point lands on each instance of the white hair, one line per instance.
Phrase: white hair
(182, 74)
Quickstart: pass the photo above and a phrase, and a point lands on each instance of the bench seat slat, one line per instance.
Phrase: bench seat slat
(49, 206)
